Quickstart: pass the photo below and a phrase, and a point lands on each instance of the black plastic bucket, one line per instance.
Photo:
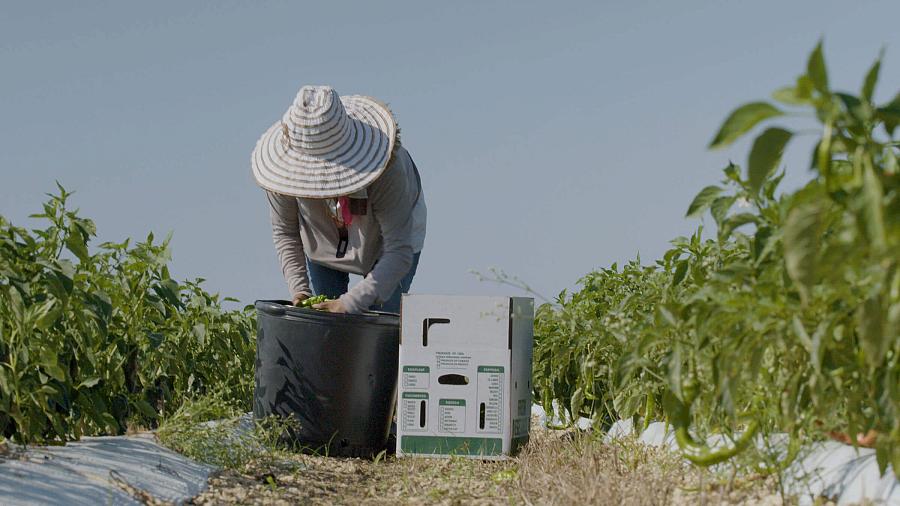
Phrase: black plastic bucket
(335, 373)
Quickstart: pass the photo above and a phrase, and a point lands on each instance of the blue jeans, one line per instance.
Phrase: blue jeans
(333, 283)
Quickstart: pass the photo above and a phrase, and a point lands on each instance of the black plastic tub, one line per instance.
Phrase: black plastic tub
(335, 373)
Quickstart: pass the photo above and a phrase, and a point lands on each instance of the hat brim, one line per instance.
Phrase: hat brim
(346, 168)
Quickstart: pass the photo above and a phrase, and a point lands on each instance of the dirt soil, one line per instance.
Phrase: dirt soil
(555, 468)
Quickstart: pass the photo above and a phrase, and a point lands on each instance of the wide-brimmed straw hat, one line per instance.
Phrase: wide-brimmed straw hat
(325, 146)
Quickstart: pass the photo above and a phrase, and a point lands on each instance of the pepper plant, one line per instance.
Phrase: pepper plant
(93, 341)
(788, 320)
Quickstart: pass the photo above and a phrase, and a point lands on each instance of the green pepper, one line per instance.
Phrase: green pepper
(699, 453)
(312, 301)
(703, 455)
(649, 409)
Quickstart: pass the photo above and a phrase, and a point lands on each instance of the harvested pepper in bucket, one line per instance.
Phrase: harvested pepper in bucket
(312, 301)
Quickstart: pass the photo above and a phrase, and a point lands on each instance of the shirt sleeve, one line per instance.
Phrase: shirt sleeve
(283, 212)
(392, 197)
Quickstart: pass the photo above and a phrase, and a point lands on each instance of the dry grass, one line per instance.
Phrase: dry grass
(555, 468)
(576, 468)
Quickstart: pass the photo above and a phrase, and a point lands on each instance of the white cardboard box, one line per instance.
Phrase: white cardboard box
(465, 375)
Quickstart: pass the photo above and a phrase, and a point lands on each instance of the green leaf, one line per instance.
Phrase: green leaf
(169, 290)
(873, 207)
(112, 425)
(802, 238)
(146, 409)
(762, 243)
(50, 315)
(889, 114)
(882, 454)
(41, 315)
(895, 459)
(48, 390)
(891, 166)
(720, 207)
(741, 120)
(5, 387)
(65, 272)
(199, 332)
(817, 350)
(703, 200)
(855, 107)
(63, 194)
(738, 220)
(788, 95)
(868, 88)
(802, 335)
(822, 153)
(101, 304)
(576, 402)
(76, 242)
(87, 227)
(815, 69)
(875, 342)
(800, 94)
(89, 382)
(765, 155)
(678, 413)
(804, 87)
(667, 316)
(156, 339)
(50, 362)
(733, 172)
(681, 269)
(627, 403)
(772, 184)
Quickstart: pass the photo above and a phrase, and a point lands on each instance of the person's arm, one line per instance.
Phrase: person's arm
(283, 212)
(392, 198)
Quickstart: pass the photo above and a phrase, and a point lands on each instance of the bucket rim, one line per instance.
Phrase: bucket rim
(284, 308)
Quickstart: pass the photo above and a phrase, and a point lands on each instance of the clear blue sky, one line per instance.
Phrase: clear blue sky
(553, 137)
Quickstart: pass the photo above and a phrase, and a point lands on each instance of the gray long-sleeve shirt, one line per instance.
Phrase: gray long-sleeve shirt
(381, 243)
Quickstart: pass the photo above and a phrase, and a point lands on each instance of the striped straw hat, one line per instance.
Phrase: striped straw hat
(325, 146)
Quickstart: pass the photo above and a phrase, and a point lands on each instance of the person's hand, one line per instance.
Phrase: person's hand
(332, 306)
(299, 298)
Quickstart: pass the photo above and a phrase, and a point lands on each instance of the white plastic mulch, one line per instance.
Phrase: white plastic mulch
(129, 469)
(100, 470)
(824, 469)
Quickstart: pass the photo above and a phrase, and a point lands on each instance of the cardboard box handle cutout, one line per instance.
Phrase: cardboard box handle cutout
(453, 379)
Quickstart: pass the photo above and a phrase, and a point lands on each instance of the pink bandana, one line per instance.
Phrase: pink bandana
(344, 207)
